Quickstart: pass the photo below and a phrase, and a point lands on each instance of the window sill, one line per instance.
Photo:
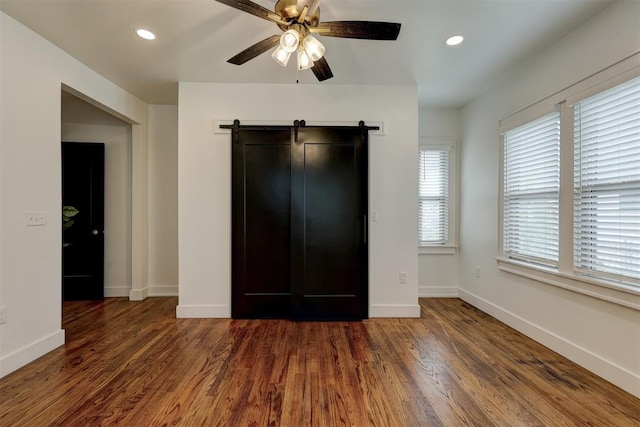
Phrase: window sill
(437, 250)
(627, 296)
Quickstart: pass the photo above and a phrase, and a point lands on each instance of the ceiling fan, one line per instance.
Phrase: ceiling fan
(299, 19)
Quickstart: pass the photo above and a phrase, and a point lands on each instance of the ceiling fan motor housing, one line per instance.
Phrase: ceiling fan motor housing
(288, 10)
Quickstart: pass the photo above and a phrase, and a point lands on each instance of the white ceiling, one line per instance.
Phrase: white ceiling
(196, 37)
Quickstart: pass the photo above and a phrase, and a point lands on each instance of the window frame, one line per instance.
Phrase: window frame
(565, 276)
(450, 246)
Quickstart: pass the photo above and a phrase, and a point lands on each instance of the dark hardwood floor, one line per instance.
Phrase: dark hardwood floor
(134, 364)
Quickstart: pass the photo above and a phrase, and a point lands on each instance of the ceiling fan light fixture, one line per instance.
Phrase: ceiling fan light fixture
(298, 18)
(281, 56)
(304, 60)
(289, 40)
(313, 47)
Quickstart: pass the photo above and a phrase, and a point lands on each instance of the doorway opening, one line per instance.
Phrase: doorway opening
(82, 122)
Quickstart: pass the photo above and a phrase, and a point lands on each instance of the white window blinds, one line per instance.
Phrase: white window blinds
(531, 191)
(433, 215)
(607, 184)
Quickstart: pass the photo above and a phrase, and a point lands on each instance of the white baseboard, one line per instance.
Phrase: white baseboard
(394, 310)
(617, 375)
(163, 291)
(203, 311)
(31, 352)
(138, 294)
(437, 292)
(116, 291)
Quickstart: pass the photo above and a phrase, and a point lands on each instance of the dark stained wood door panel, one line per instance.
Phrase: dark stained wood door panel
(328, 212)
(299, 198)
(83, 242)
(261, 224)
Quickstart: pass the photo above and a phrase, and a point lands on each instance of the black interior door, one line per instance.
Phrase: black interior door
(328, 220)
(299, 200)
(261, 237)
(83, 242)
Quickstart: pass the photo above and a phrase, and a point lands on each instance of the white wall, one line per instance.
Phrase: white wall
(33, 73)
(163, 200)
(602, 336)
(204, 184)
(81, 122)
(438, 271)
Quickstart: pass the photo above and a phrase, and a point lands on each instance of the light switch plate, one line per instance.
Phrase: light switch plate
(34, 218)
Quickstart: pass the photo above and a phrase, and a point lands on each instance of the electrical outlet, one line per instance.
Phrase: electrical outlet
(477, 272)
(402, 277)
(3, 314)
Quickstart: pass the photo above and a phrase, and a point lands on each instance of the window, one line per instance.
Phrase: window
(531, 188)
(570, 187)
(607, 183)
(435, 195)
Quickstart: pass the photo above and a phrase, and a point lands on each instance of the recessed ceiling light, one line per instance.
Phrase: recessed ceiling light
(145, 34)
(454, 40)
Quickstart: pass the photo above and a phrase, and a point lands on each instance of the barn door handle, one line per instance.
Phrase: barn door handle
(364, 225)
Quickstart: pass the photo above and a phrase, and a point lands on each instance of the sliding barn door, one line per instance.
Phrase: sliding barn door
(299, 225)
(329, 251)
(261, 224)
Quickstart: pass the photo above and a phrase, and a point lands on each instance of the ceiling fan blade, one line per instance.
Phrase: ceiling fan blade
(254, 9)
(255, 50)
(321, 70)
(358, 30)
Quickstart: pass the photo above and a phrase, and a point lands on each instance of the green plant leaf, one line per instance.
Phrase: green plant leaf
(69, 212)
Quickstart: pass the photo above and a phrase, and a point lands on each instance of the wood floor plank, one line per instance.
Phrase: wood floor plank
(132, 363)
